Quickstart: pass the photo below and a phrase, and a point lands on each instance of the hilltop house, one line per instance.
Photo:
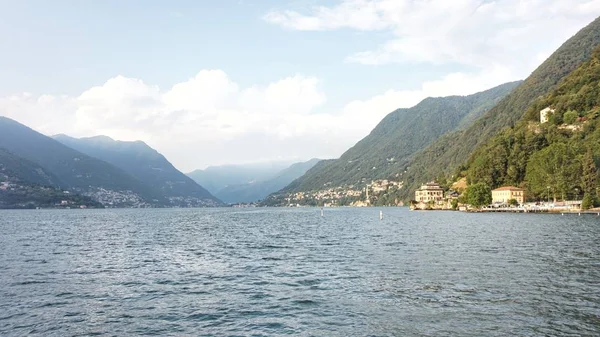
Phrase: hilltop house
(452, 194)
(504, 194)
(545, 114)
(430, 192)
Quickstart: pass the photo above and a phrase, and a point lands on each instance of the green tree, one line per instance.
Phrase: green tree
(570, 116)
(513, 202)
(589, 174)
(587, 202)
(555, 118)
(454, 204)
(479, 194)
(554, 168)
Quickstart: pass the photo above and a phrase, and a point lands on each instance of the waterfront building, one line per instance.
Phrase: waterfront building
(430, 192)
(506, 193)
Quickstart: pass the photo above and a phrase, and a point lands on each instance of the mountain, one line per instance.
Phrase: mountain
(216, 178)
(17, 169)
(447, 155)
(385, 152)
(78, 172)
(24, 184)
(146, 165)
(555, 157)
(256, 191)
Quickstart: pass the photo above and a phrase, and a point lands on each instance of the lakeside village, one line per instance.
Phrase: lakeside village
(33, 196)
(431, 196)
(383, 192)
(380, 192)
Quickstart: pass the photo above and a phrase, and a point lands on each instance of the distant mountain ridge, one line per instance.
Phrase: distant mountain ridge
(258, 190)
(216, 178)
(384, 153)
(75, 170)
(145, 164)
(32, 159)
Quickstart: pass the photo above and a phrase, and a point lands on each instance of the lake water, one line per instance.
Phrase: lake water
(273, 272)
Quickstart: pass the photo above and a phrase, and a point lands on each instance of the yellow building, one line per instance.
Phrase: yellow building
(506, 193)
(430, 192)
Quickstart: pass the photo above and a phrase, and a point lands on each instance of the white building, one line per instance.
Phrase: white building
(430, 192)
(545, 114)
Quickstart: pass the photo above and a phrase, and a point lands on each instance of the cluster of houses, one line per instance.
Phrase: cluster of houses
(357, 196)
(382, 185)
(111, 198)
(326, 196)
(432, 196)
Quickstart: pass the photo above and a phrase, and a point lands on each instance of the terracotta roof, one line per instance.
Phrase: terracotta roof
(509, 188)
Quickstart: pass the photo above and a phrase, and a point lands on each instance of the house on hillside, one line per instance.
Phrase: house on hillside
(545, 114)
(452, 194)
(504, 194)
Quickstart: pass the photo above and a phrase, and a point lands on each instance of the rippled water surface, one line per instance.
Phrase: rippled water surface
(271, 272)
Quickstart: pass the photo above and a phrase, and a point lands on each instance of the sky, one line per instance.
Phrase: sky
(244, 81)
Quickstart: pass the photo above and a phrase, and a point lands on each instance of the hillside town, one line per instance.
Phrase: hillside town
(381, 192)
(110, 198)
(28, 196)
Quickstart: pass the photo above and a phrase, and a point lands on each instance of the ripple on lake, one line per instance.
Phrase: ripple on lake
(292, 272)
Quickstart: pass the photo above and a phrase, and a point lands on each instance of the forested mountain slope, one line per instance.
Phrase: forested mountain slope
(24, 184)
(384, 153)
(145, 164)
(445, 156)
(75, 170)
(558, 158)
(15, 168)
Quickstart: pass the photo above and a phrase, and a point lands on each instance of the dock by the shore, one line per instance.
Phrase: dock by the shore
(536, 210)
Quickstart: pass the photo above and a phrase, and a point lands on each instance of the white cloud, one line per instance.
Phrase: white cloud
(121, 101)
(358, 14)
(209, 119)
(207, 109)
(205, 92)
(296, 94)
(477, 33)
